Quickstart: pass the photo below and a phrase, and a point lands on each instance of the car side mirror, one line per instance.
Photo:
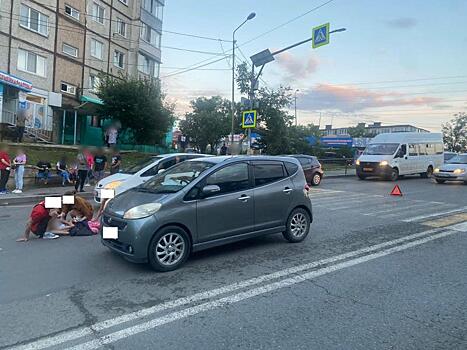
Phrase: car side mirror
(160, 171)
(211, 189)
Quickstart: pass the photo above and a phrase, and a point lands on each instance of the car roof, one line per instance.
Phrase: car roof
(166, 155)
(230, 159)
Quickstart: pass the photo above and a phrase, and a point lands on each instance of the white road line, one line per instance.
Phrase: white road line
(355, 204)
(145, 326)
(99, 326)
(414, 211)
(396, 208)
(422, 217)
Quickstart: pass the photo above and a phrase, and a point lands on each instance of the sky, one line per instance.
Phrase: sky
(398, 62)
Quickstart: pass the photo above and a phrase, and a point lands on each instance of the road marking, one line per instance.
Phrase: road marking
(395, 207)
(422, 217)
(448, 220)
(229, 300)
(102, 325)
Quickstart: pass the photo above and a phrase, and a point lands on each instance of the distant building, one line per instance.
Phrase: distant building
(54, 50)
(372, 129)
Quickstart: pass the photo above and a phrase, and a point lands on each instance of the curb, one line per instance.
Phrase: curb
(337, 176)
(35, 198)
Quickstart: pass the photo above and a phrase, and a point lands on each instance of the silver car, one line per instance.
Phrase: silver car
(455, 169)
(207, 202)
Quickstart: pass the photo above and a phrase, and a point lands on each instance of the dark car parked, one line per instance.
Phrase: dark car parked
(203, 203)
(311, 167)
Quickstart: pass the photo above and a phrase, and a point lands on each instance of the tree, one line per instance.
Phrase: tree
(208, 123)
(455, 133)
(358, 131)
(139, 106)
(273, 121)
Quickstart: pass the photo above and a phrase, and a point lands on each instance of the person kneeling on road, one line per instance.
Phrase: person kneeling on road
(38, 223)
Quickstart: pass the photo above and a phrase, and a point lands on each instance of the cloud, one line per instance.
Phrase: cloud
(351, 99)
(297, 68)
(402, 22)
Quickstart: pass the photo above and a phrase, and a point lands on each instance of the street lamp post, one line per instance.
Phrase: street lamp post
(250, 16)
(295, 98)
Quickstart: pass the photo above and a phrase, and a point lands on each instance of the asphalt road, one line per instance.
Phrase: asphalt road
(376, 272)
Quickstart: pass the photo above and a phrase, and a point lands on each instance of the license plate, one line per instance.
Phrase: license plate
(367, 169)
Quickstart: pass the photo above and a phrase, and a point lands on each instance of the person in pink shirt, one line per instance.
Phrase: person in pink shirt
(18, 163)
(90, 159)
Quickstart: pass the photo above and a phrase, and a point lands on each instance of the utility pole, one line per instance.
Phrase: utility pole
(295, 98)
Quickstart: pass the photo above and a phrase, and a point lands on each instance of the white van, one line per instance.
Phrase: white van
(402, 153)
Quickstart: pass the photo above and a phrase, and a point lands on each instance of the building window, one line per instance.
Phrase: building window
(154, 7)
(144, 64)
(96, 121)
(72, 12)
(119, 59)
(97, 49)
(124, 2)
(67, 88)
(157, 69)
(34, 20)
(98, 13)
(93, 82)
(150, 35)
(30, 62)
(70, 50)
(121, 27)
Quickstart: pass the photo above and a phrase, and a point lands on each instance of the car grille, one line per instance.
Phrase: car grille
(369, 164)
(112, 222)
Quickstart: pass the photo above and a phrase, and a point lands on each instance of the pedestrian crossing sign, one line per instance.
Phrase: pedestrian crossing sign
(320, 35)
(249, 119)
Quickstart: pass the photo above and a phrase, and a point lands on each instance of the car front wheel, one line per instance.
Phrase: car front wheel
(298, 226)
(169, 249)
(440, 181)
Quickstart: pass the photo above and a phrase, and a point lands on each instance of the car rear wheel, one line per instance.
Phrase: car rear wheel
(316, 179)
(361, 177)
(298, 226)
(169, 249)
(428, 174)
(440, 181)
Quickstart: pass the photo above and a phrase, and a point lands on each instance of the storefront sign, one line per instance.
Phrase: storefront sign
(15, 82)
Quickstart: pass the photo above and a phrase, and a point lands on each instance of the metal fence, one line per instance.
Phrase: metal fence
(338, 166)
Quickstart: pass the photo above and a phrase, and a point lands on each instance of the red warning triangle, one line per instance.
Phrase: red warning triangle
(396, 191)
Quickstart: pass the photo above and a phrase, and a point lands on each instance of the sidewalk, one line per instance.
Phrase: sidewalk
(339, 173)
(35, 195)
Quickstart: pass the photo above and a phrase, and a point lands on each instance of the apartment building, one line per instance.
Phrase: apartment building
(52, 52)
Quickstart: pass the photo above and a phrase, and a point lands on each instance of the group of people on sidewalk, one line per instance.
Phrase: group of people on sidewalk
(89, 166)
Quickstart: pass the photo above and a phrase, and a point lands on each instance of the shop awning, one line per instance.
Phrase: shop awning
(95, 100)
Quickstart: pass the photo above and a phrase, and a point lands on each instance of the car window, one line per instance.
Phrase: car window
(232, 178)
(165, 164)
(315, 162)
(139, 166)
(413, 150)
(305, 162)
(266, 173)
(291, 168)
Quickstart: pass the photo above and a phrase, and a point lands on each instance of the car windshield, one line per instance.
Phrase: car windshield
(133, 169)
(176, 178)
(381, 149)
(459, 159)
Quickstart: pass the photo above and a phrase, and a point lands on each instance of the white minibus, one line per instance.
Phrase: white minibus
(404, 153)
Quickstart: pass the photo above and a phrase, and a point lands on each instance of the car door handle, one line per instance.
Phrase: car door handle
(287, 190)
(244, 198)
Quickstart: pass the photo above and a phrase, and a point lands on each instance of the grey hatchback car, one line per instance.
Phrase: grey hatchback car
(203, 203)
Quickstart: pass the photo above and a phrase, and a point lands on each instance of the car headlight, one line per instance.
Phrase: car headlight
(113, 185)
(459, 171)
(142, 211)
(436, 170)
(384, 163)
(357, 162)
